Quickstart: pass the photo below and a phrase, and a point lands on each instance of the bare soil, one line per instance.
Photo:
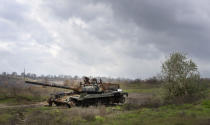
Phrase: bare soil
(4, 106)
(138, 98)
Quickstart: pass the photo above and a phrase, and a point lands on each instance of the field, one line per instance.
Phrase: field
(27, 105)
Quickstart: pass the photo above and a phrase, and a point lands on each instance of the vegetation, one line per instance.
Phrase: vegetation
(14, 95)
(181, 78)
(23, 94)
(185, 114)
(140, 87)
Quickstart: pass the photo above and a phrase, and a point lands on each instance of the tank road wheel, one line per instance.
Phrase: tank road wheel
(68, 106)
(122, 99)
(57, 104)
(71, 103)
(50, 102)
(98, 103)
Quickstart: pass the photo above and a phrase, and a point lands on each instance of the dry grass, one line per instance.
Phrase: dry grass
(21, 93)
(65, 116)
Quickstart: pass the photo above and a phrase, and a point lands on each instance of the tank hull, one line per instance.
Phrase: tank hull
(71, 99)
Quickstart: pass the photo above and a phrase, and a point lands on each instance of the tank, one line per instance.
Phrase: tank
(90, 92)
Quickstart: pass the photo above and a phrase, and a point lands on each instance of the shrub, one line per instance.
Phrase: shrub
(206, 103)
(181, 79)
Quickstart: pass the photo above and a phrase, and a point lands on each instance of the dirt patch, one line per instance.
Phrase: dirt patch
(3, 106)
(138, 98)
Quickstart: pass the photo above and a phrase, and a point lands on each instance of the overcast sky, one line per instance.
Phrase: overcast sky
(117, 38)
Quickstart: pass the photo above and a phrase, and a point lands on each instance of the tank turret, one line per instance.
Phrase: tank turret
(83, 88)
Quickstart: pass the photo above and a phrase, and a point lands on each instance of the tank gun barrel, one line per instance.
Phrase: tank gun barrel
(51, 85)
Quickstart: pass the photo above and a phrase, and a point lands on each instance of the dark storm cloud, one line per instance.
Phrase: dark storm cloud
(172, 25)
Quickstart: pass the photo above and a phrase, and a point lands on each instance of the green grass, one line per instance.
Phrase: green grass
(4, 118)
(186, 114)
(151, 90)
(140, 88)
(139, 85)
(206, 103)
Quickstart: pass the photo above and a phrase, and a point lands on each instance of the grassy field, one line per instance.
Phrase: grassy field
(186, 114)
(141, 108)
(15, 95)
(140, 87)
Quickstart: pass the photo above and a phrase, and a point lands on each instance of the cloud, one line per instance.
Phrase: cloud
(117, 38)
(170, 25)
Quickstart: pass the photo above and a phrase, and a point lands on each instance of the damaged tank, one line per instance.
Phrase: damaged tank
(90, 92)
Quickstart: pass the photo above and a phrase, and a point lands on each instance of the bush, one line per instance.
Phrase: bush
(181, 79)
(206, 103)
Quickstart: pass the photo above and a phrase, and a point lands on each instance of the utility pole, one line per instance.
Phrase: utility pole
(24, 74)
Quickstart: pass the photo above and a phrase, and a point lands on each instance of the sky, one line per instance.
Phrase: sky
(112, 38)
